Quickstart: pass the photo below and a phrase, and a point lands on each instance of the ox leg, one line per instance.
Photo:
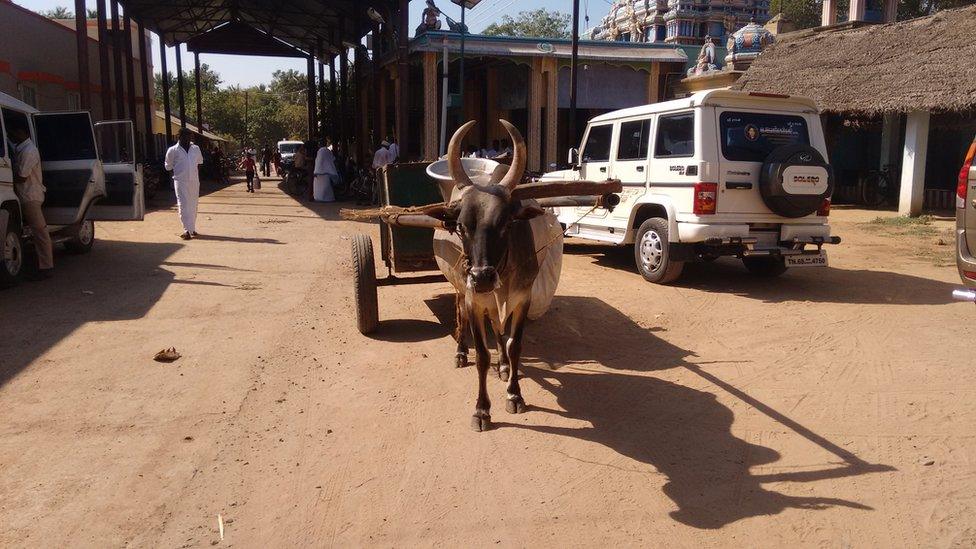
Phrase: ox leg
(481, 421)
(513, 345)
(460, 329)
(501, 341)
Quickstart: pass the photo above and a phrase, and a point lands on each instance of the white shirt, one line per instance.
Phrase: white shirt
(381, 158)
(394, 152)
(29, 167)
(184, 163)
(325, 162)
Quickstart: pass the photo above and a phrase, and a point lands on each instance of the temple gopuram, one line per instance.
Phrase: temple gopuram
(677, 21)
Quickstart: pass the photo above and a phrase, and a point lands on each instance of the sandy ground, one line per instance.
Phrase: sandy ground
(830, 407)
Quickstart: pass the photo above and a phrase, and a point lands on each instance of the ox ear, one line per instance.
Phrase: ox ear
(527, 212)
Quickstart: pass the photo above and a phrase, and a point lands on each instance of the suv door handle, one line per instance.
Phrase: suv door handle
(640, 168)
(603, 169)
(737, 185)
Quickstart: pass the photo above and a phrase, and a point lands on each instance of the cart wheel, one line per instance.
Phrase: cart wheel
(364, 281)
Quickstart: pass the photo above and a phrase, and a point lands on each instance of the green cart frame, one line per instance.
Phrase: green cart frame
(403, 249)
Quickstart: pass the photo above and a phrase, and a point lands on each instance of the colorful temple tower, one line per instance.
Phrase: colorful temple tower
(678, 21)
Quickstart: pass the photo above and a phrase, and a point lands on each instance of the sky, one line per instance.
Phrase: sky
(247, 71)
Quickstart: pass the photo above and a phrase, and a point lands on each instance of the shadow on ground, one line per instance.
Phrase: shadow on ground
(684, 433)
(821, 285)
(36, 316)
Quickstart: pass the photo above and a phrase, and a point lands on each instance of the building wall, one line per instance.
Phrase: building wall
(38, 64)
(678, 21)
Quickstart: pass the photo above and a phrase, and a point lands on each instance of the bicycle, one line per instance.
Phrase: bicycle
(363, 187)
(878, 187)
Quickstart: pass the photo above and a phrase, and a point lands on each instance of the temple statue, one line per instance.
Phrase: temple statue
(430, 18)
(707, 60)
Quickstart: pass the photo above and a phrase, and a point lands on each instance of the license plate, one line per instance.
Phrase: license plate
(811, 260)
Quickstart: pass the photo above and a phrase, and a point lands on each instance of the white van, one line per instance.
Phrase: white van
(720, 173)
(287, 149)
(89, 173)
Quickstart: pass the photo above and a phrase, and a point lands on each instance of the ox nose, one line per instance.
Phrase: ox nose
(483, 278)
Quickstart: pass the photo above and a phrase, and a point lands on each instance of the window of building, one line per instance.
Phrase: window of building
(634, 139)
(597, 148)
(74, 101)
(28, 94)
(675, 135)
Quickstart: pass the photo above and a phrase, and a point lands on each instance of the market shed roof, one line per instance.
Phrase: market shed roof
(300, 23)
(922, 64)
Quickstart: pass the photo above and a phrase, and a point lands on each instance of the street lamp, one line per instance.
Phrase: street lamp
(465, 5)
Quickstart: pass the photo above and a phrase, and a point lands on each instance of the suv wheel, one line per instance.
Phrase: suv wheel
(82, 238)
(12, 257)
(652, 255)
(765, 266)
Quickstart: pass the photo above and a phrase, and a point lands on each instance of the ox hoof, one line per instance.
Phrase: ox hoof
(515, 405)
(481, 421)
(503, 371)
(461, 360)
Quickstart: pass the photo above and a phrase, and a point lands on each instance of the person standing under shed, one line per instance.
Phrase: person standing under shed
(325, 174)
(184, 159)
(29, 187)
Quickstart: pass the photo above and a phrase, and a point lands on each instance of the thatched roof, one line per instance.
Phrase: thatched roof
(927, 63)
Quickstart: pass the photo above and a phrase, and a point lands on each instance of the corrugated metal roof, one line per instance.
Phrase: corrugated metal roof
(589, 50)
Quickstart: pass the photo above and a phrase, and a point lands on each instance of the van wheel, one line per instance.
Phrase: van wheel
(82, 238)
(765, 266)
(652, 254)
(13, 257)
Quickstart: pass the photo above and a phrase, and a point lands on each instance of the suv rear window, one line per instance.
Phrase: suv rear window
(751, 136)
(597, 148)
(288, 148)
(675, 135)
(633, 141)
(65, 136)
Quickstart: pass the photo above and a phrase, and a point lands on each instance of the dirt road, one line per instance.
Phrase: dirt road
(825, 408)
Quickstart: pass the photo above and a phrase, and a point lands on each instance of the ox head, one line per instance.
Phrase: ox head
(486, 209)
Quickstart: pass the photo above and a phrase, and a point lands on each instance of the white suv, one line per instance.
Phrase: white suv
(720, 173)
(89, 174)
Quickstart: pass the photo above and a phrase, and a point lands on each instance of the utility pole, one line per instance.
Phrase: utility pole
(574, 75)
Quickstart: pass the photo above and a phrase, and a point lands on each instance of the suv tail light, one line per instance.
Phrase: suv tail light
(964, 176)
(706, 198)
(824, 209)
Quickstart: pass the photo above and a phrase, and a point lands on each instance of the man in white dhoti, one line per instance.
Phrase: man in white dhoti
(184, 159)
(325, 174)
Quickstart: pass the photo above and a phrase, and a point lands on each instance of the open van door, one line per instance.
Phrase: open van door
(125, 199)
(70, 165)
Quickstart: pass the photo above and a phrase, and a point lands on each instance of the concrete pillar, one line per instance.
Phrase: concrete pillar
(117, 82)
(130, 72)
(889, 13)
(856, 11)
(180, 96)
(534, 138)
(198, 89)
(829, 14)
(913, 164)
(403, 79)
(103, 69)
(890, 131)
(552, 111)
(430, 106)
(164, 72)
(81, 43)
(310, 98)
(146, 98)
(495, 130)
(381, 114)
(654, 84)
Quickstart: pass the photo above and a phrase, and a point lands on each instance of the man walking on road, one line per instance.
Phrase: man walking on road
(30, 188)
(184, 159)
(325, 174)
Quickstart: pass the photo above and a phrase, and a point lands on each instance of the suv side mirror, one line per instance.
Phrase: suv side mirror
(574, 158)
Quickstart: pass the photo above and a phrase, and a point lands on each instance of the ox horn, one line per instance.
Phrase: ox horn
(517, 170)
(454, 165)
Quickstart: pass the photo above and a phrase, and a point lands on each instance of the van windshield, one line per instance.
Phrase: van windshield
(66, 136)
(288, 148)
(751, 136)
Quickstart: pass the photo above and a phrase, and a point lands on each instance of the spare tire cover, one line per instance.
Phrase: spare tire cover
(795, 180)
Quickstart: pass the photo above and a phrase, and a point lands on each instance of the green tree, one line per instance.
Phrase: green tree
(540, 23)
(59, 12)
(807, 13)
(803, 13)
